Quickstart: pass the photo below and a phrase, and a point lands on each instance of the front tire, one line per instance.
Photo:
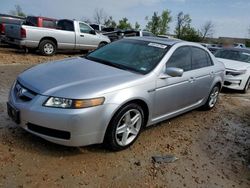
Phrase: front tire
(125, 127)
(213, 98)
(247, 86)
(47, 47)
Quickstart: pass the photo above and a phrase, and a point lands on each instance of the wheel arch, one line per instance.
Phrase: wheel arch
(49, 38)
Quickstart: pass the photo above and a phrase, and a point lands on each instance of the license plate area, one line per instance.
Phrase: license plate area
(13, 113)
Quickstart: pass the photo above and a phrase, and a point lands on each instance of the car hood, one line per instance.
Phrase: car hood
(76, 78)
(235, 65)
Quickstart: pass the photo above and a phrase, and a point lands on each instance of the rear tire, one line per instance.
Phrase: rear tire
(47, 47)
(125, 127)
(247, 86)
(213, 98)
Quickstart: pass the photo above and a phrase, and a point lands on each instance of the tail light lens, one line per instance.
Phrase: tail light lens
(2, 28)
(23, 33)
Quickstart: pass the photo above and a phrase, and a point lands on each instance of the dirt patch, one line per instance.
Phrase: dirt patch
(212, 147)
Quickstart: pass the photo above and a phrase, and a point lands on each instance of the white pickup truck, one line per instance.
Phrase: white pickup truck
(69, 35)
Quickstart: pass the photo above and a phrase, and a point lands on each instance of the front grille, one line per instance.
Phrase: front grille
(49, 132)
(23, 93)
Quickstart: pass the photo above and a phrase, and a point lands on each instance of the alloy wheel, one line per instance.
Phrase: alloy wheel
(128, 127)
(213, 97)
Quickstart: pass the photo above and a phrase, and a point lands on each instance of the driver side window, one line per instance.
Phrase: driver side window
(84, 28)
(181, 58)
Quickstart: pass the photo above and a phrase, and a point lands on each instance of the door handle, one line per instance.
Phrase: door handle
(81, 35)
(191, 79)
(212, 74)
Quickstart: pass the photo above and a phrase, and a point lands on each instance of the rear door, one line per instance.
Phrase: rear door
(203, 70)
(85, 39)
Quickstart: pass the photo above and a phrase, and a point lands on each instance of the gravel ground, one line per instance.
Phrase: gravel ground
(213, 147)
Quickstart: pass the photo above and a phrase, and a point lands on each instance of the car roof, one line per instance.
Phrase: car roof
(165, 41)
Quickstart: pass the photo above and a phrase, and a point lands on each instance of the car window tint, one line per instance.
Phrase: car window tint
(84, 28)
(66, 25)
(199, 58)
(49, 23)
(181, 58)
(31, 21)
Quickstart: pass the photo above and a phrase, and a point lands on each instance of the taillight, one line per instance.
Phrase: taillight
(23, 33)
(2, 28)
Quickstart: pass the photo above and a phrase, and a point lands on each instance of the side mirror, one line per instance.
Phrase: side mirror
(92, 32)
(173, 72)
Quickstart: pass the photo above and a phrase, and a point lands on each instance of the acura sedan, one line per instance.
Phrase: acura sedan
(114, 92)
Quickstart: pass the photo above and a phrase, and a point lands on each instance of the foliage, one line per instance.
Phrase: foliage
(182, 25)
(191, 34)
(110, 22)
(17, 11)
(159, 24)
(124, 24)
(164, 22)
(207, 30)
(137, 26)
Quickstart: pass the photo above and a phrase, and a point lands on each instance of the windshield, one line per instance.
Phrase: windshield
(128, 54)
(236, 55)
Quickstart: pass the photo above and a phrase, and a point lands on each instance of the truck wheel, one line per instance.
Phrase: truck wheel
(47, 48)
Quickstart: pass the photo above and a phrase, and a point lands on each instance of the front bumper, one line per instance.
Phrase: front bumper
(69, 127)
(232, 82)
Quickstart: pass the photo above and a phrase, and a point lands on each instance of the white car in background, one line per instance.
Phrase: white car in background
(237, 63)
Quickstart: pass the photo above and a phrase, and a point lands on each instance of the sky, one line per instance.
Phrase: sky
(230, 17)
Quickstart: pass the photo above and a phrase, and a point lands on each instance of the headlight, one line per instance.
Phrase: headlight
(235, 72)
(57, 102)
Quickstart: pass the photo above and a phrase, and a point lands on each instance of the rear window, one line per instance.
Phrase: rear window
(49, 23)
(66, 25)
(31, 21)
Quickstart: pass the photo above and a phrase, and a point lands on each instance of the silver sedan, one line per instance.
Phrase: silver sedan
(111, 94)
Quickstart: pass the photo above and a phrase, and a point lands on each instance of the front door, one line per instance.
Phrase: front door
(174, 94)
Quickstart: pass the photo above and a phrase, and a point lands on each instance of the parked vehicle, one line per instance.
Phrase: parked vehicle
(8, 19)
(111, 94)
(70, 35)
(38, 21)
(237, 63)
(97, 27)
(213, 50)
(239, 45)
(119, 34)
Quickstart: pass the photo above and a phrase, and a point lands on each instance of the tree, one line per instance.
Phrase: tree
(17, 11)
(191, 34)
(137, 26)
(110, 22)
(153, 24)
(207, 30)
(100, 16)
(159, 25)
(183, 22)
(124, 24)
(164, 23)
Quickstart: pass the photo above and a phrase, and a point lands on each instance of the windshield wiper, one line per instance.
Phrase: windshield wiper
(111, 64)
